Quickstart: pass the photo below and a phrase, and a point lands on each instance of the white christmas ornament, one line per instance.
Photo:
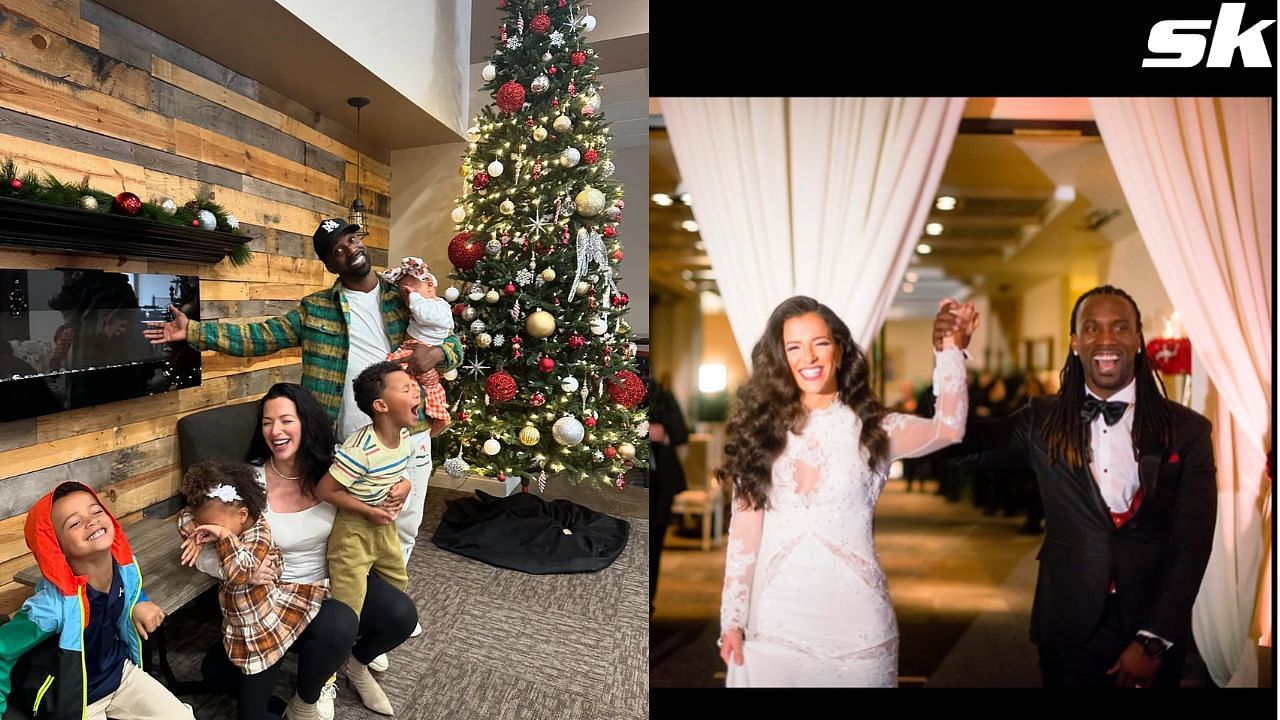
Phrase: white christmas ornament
(232, 222)
(167, 205)
(569, 384)
(562, 123)
(570, 157)
(642, 429)
(477, 293)
(473, 134)
(459, 214)
(451, 375)
(606, 168)
(495, 169)
(207, 220)
(478, 327)
(568, 431)
(492, 447)
(599, 325)
(456, 467)
(451, 294)
(540, 84)
(588, 23)
(489, 72)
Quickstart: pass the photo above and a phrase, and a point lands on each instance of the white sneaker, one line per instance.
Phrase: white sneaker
(417, 630)
(328, 693)
(380, 663)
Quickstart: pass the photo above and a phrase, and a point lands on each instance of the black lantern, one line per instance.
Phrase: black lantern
(357, 205)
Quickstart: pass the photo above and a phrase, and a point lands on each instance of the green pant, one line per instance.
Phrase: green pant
(357, 546)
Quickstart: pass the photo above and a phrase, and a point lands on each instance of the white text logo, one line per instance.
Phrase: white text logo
(1185, 39)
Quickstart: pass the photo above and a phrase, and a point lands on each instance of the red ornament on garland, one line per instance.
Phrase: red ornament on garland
(465, 251)
(509, 289)
(500, 387)
(16, 184)
(458, 308)
(621, 299)
(546, 364)
(540, 24)
(516, 340)
(195, 223)
(510, 96)
(126, 203)
(516, 354)
(590, 156)
(480, 181)
(610, 231)
(462, 416)
(538, 400)
(617, 255)
(578, 58)
(611, 452)
(555, 103)
(589, 421)
(625, 388)
(577, 341)
(551, 71)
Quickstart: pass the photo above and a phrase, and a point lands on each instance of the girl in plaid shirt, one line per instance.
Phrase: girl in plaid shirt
(430, 323)
(259, 622)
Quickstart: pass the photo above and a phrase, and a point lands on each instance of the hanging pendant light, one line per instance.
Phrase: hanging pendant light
(357, 205)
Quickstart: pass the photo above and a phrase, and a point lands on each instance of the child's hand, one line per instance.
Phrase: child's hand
(211, 533)
(378, 515)
(265, 574)
(409, 284)
(190, 550)
(395, 499)
(147, 616)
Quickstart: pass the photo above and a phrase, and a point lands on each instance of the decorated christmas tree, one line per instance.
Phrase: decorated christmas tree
(547, 388)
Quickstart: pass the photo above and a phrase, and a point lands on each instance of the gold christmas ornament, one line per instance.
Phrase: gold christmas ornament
(507, 207)
(539, 134)
(627, 451)
(582, 289)
(548, 275)
(590, 202)
(540, 324)
(459, 214)
(530, 435)
(491, 297)
(562, 124)
(483, 340)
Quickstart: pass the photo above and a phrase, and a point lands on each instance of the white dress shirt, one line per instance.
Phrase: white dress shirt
(1112, 462)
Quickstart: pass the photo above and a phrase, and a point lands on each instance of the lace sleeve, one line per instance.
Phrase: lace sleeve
(911, 436)
(745, 530)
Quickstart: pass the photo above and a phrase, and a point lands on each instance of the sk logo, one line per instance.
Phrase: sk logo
(1184, 39)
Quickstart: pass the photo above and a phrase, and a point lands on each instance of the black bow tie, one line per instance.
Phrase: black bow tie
(1111, 411)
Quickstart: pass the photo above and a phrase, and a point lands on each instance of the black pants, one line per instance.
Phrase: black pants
(386, 620)
(1086, 665)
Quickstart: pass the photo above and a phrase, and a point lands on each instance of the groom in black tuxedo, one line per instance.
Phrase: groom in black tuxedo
(1130, 499)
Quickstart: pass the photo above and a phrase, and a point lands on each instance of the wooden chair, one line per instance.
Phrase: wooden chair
(704, 496)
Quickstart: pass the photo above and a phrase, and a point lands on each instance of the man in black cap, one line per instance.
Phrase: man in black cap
(342, 330)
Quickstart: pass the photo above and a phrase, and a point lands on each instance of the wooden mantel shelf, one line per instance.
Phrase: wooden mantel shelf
(46, 227)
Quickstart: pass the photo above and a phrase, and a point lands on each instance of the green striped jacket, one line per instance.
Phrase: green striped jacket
(319, 325)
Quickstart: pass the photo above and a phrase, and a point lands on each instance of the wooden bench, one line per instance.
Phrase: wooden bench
(156, 544)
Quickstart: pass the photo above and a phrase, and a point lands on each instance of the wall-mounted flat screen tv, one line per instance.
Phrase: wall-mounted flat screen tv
(73, 338)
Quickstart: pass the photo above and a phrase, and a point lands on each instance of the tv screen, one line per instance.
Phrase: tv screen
(73, 338)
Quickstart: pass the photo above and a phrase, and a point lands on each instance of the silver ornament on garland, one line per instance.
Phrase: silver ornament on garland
(540, 84)
(498, 340)
(167, 205)
(207, 220)
(562, 123)
(478, 327)
(89, 202)
(606, 168)
(568, 431)
(570, 157)
(456, 466)
(612, 213)
(494, 246)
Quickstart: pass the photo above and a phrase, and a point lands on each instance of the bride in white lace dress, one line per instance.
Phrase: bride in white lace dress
(805, 602)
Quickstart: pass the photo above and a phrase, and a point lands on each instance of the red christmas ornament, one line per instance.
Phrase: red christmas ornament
(528, 122)
(589, 421)
(16, 184)
(560, 3)
(546, 364)
(556, 300)
(1171, 356)
(622, 482)
(540, 24)
(509, 289)
(591, 302)
(551, 71)
(480, 181)
(577, 341)
(555, 103)
(538, 399)
(625, 388)
(578, 58)
(195, 223)
(465, 251)
(516, 354)
(610, 231)
(500, 387)
(502, 477)
(621, 299)
(590, 156)
(502, 3)
(510, 96)
(458, 308)
(462, 416)
(617, 255)
(516, 340)
(611, 452)
(126, 203)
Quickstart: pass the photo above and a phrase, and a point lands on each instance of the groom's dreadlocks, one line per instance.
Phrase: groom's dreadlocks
(1066, 436)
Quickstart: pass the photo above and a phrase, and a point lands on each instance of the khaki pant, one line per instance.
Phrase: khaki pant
(355, 547)
(139, 697)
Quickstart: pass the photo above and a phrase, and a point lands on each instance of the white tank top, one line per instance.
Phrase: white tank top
(303, 537)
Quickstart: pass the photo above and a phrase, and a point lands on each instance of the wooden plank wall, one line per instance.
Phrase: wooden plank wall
(87, 92)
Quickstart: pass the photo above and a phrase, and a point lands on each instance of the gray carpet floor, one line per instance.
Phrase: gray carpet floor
(496, 644)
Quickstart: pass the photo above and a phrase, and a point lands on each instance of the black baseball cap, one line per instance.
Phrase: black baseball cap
(327, 234)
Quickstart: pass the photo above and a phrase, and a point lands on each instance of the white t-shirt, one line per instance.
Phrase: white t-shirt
(432, 319)
(367, 344)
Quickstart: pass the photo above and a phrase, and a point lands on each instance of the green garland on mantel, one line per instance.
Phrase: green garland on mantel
(49, 190)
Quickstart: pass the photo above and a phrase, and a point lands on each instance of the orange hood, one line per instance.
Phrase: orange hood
(44, 545)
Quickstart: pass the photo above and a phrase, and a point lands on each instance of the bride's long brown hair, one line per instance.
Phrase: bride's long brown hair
(769, 404)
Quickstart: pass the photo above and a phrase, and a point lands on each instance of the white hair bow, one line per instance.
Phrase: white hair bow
(225, 493)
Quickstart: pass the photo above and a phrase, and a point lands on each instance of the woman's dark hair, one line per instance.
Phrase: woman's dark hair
(315, 445)
(769, 405)
(202, 477)
(1067, 437)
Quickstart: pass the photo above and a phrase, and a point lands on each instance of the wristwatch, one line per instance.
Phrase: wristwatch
(1153, 647)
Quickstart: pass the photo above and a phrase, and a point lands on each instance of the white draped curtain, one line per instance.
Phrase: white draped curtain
(1196, 173)
(823, 197)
